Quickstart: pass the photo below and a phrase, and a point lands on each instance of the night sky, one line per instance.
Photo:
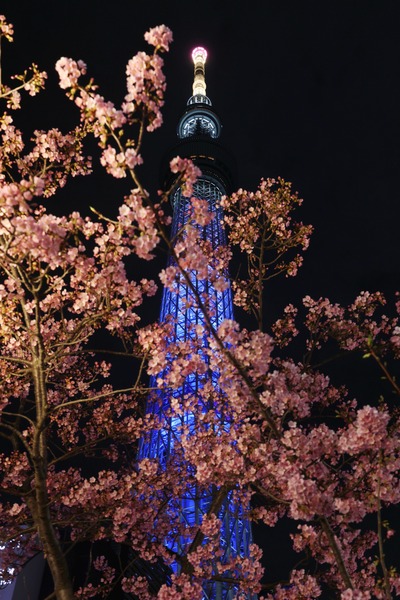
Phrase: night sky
(306, 90)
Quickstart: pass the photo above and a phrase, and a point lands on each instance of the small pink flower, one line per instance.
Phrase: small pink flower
(69, 71)
(160, 37)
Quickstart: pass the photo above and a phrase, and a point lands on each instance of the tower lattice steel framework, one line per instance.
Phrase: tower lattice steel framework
(198, 130)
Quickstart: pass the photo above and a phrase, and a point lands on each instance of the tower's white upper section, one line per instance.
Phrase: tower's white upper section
(199, 119)
(199, 56)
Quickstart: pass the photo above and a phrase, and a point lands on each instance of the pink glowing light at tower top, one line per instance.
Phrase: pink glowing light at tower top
(199, 54)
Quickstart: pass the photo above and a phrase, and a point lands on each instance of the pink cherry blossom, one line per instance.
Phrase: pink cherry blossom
(160, 37)
(6, 29)
(69, 71)
(188, 172)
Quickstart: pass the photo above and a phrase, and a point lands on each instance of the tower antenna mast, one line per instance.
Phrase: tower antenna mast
(199, 56)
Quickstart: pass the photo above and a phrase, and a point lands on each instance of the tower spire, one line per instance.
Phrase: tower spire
(199, 119)
(199, 56)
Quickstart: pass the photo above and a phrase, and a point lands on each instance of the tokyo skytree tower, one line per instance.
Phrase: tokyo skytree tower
(198, 131)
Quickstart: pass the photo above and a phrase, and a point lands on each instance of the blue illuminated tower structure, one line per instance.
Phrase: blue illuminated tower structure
(198, 131)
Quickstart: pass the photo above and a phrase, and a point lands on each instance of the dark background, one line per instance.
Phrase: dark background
(306, 90)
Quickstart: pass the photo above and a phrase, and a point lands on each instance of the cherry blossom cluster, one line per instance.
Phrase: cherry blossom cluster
(32, 80)
(6, 29)
(195, 258)
(117, 164)
(140, 224)
(268, 439)
(160, 37)
(187, 173)
(300, 587)
(261, 225)
(142, 104)
(308, 471)
(146, 86)
(183, 587)
(42, 171)
(271, 204)
(69, 71)
(360, 326)
(284, 329)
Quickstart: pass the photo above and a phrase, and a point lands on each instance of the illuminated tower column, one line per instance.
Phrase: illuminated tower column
(198, 131)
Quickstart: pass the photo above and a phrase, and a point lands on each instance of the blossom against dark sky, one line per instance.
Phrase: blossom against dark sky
(305, 90)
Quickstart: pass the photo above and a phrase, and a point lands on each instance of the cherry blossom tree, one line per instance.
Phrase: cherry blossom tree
(299, 445)
(63, 279)
(294, 444)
